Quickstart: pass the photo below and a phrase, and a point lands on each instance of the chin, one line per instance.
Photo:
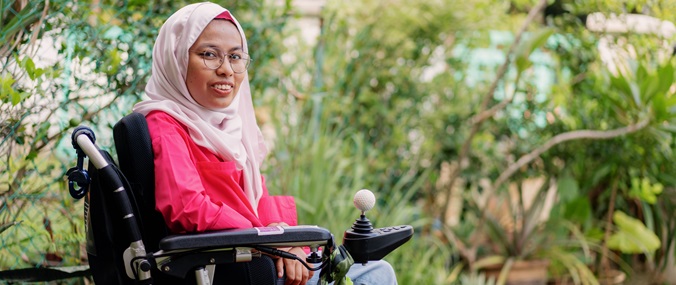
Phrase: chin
(223, 105)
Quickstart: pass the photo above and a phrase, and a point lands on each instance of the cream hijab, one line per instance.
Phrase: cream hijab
(232, 132)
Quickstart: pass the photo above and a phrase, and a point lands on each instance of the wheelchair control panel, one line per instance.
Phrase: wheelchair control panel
(365, 243)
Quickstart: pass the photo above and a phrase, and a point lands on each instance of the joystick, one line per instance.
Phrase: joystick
(364, 200)
(365, 243)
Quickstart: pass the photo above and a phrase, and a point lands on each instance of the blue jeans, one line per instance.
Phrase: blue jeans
(373, 273)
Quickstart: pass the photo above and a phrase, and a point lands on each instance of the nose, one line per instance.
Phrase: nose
(225, 69)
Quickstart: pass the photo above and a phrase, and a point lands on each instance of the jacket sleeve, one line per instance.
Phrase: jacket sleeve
(179, 193)
(275, 209)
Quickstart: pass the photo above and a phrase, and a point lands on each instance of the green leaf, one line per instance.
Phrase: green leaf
(666, 77)
(19, 140)
(578, 210)
(632, 236)
(536, 40)
(112, 64)
(660, 108)
(568, 189)
(622, 85)
(601, 173)
(31, 155)
(636, 94)
(650, 87)
(15, 97)
(489, 261)
(6, 82)
(29, 65)
(643, 190)
(642, 73)
(42, 131)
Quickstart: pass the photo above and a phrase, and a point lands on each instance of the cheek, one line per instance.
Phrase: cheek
(239, 79)
(194, 79)
(189, 76)
(193, 74)
(192, 84)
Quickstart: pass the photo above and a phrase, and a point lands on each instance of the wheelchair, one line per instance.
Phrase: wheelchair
(129, 243)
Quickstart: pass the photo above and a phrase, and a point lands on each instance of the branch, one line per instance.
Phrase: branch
(34, 38)
(481, 117)
(564, 137)
(476, 124)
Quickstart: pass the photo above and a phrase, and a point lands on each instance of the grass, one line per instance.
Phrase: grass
(323, 166)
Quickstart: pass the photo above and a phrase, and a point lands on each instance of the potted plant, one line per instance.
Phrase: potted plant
(513, 238)
(518, 234)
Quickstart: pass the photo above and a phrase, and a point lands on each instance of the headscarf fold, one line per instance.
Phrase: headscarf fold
(231, 133)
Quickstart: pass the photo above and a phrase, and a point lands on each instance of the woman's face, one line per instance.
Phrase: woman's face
(214, 88)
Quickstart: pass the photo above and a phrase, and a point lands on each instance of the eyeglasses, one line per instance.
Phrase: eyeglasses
(213, 59)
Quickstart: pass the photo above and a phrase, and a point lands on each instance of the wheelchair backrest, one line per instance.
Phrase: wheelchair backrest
(135, 155)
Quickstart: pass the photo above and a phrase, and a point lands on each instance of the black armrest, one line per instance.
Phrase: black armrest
(271, 236)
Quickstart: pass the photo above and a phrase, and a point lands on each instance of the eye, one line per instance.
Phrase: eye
(236, 56)
(209, 54)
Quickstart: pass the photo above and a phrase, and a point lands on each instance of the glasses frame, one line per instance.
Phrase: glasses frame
(222, 60)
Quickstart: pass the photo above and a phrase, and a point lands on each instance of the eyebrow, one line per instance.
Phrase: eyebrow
(209, 45)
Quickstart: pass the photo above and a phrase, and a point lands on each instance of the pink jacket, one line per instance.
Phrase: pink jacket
(196, 191)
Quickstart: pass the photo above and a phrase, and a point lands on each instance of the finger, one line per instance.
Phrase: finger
(279, 263)
(302, 273)
(299, 273)
(291, 278)
(306, 274)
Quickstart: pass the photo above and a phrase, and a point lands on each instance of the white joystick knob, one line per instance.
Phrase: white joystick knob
(364, 200)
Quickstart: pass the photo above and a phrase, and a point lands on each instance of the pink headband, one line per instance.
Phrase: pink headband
(225, 15)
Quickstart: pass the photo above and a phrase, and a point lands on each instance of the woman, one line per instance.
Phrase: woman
(208, 148)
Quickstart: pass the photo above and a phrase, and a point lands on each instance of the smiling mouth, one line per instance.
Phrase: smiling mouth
(222, 87)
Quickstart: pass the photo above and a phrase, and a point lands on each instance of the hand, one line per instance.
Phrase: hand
(296, 273)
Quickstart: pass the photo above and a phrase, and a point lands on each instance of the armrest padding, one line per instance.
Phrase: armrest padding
(271, 236)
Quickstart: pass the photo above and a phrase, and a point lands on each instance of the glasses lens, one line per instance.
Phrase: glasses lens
(213, 63)
(239, 65)
(239, 61)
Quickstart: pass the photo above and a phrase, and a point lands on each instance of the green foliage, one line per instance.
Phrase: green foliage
(526, 48)
(373, 69)
(323, 167)
(387, 95)
(16, 16)
(86, 63)
(632, 236)
(642, 189)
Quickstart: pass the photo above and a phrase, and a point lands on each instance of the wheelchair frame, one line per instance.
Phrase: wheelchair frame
(201, 252)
